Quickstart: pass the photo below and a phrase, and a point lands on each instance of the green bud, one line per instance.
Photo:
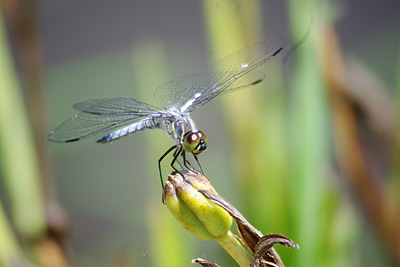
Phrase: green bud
(194, 212)
(183, 214)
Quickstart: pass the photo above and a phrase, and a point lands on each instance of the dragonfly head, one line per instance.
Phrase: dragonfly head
(195, 142)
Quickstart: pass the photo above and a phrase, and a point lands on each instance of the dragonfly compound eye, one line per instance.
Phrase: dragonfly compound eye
(203, 137)
(195, 142)
(202, 144)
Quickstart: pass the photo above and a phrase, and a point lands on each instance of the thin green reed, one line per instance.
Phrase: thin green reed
(254, 119)
(169, 244)
(309, 140)
(19, 164)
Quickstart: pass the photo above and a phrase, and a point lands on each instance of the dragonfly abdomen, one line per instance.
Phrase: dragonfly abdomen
(148, 123)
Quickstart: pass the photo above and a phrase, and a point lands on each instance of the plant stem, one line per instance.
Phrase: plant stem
(235, 249)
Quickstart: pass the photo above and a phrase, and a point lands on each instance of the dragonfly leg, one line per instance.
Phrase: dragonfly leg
(185, 162)
(179, 151)
(159, 163)
(198, 163)
(191, 168)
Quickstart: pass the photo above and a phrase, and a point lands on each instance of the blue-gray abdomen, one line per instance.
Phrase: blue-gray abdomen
(152, 122)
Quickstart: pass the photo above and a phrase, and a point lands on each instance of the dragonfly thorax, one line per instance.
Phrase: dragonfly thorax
(177, 127)
(182, 130)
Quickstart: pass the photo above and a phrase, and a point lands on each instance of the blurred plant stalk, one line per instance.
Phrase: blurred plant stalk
(35, 214)
(352, 94)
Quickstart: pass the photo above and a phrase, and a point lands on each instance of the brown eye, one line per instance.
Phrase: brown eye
(202, 136)
(191, 141)
(192, 138)
(195, 142)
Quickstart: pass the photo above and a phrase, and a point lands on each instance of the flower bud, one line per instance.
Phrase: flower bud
(194, 212)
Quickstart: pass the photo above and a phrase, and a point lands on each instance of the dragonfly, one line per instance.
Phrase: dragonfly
(113, 118)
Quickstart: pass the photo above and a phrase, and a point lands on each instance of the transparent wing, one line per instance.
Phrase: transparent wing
(190, 92)
(245, 81)
(99, 116)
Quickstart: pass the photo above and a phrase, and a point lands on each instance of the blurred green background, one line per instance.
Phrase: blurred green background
(311, 153)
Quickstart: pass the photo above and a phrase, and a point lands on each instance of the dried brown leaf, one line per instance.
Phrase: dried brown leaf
(204, 263)
(265, 255)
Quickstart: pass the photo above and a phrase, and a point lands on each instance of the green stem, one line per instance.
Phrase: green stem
(9, 249)
(235, 249)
